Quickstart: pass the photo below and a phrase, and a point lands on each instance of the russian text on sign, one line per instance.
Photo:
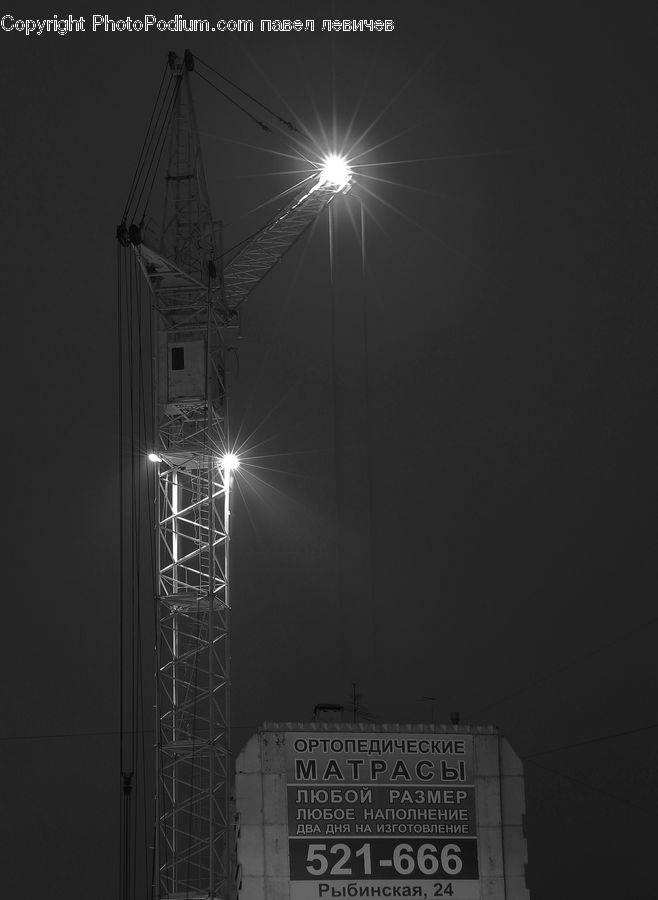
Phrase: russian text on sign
(368, 746)
(380, 770)
(334, 795)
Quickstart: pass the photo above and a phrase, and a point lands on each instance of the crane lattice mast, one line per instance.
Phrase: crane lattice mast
(193, 302)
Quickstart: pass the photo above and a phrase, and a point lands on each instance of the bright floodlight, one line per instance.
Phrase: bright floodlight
(153, 457)
(229, 462)
(336, 171)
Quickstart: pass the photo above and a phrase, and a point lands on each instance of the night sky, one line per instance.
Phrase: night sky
(450, 488)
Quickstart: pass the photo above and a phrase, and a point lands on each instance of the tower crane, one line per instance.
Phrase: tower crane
(194, 298)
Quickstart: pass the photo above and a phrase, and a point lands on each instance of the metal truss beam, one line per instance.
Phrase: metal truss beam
(193, 837)
(248, 268)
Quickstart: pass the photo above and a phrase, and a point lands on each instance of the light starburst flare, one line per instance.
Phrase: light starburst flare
(229, 462)
(335, 171)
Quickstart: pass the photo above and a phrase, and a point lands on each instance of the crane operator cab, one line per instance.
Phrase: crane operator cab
(188, 393)
(186, 371)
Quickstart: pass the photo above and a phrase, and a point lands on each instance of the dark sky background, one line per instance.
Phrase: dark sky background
(455, 489)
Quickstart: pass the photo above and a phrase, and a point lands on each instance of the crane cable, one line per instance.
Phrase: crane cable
(148, 137)
(126, 523)
(123, 808)
(163, 131)
(133, 353)
(235, 103)
(133, 435)
(283, 121)
(150, 156)
(143, 492)
(151, 142)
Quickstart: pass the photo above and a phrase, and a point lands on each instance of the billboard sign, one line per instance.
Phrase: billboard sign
(381, 815)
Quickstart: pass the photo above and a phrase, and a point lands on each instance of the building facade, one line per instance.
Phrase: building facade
(334, 810)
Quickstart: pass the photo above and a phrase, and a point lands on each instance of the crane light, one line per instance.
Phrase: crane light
(153, 457)
(336, 171)
(229, 462)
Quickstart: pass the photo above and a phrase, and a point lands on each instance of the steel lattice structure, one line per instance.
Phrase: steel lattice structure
(265, 250)
(192, 303)
(193, 676)
(193, 498)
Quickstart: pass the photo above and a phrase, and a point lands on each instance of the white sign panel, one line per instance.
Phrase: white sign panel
(381, 815)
